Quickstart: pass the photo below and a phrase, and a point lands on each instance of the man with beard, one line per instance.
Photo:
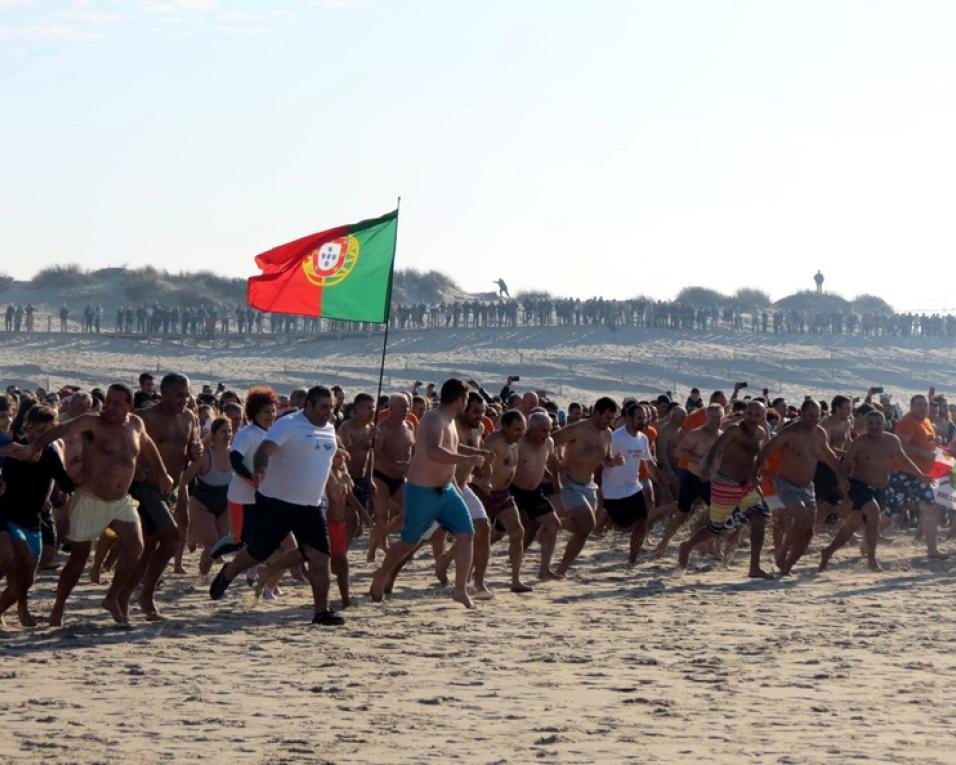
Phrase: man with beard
(621, 485)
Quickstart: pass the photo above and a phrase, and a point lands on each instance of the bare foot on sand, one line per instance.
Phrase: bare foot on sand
(937, 555)
(520, 587)
(547, 575)
(873, 566)
(441, 568)
(683, 555)
(759, 573)
(113, 607)
(26, 618)
(825, 555)
(462, 597)
(150, 612)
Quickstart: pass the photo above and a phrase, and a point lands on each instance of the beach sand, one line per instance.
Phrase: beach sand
(617, 665)
(572, 363)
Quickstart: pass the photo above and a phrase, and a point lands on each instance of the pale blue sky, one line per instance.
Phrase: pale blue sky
(586, 148)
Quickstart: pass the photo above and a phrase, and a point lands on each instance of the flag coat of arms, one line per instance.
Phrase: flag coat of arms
(342, 273)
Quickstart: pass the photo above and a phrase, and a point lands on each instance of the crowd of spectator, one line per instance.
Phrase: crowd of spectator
(216, 319)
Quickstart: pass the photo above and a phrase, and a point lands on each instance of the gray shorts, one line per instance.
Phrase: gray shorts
(576, 494)
(155, 508)
(791, 494)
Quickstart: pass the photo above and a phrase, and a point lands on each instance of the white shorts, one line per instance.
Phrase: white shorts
(475, 508)
(91, 515)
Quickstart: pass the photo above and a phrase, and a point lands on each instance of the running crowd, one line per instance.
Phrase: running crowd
(283, 485)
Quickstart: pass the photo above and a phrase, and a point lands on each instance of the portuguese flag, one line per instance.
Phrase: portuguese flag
(342, 273)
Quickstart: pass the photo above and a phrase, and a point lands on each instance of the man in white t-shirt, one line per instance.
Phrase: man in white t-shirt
(291, 466)
(621, 484)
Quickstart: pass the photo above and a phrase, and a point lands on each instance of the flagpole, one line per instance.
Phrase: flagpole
(388, 315)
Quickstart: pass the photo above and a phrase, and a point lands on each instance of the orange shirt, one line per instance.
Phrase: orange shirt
(489, 425)
(692, 421)
(920, 434)
(771, 468)
(651, 432)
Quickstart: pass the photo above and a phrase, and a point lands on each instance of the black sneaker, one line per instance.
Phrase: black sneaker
(219, 585)
(328, 619)
(223, 547)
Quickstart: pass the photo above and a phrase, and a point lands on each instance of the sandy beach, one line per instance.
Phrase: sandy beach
(617, 665)
(571, 363)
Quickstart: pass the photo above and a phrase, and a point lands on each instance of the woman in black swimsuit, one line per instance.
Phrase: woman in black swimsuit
(208, 518)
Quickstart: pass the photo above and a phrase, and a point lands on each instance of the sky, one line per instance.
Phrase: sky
(611, 148)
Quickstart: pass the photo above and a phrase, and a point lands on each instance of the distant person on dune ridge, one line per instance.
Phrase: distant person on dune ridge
(502, 288)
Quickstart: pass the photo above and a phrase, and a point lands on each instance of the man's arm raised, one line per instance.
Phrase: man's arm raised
(81, 424)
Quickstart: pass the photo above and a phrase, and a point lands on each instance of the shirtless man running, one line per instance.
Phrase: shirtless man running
(536, 457)
(802, 445)
(357, 435)
(869, 460)
(587, 446)
(175, 430)
(731, 466)
(431, 494)
(668, 436)
(470, 432)
(113, 441)
(691, 449)
(839, 429)
(492, 487)
(393, 443)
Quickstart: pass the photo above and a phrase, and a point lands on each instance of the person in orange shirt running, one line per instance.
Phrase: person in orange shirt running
(919, 440)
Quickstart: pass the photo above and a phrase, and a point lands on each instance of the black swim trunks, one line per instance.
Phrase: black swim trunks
(627, 511)
(826, 485)
(692, 489)
(533, 502)
(860, 494)
(393, 484)
(362, 490)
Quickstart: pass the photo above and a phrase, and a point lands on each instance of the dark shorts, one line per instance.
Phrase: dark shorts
(496, 502)
(860, 494)
(47, 526)
(393, 484)
(903, 491)
(692, 489)
(533, 502)
(155, 508)
(826, 484)
(627, 511)
(275, 519)
(362, 490)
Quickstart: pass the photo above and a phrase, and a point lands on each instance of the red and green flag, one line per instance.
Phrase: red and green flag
(342, 273)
